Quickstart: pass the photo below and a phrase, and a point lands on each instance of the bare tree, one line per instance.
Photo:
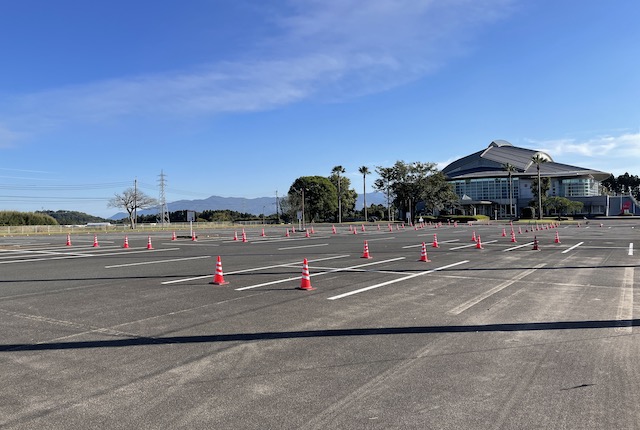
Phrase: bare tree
(131, 200)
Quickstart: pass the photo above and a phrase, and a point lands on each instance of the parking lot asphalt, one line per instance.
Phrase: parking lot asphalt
(534, 330)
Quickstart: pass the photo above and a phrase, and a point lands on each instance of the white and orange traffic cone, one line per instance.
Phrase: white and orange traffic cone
(194, 238)
(306, 233)
(235, 235)
(68, 239)
(473, 237)
(173, 236)
(287, 234)
(423, 254)
(435, 241)
(218, 278)
(333, 229)
(479, 243)
(263, 234)
(312, 230)
(305, 282)
(535, 244)
(244, 236)
(504, 232)
(126, 242)
(513, 237)
(149, 246)
(365, 254)
(95, 241)
(557, 239)
(363, 229)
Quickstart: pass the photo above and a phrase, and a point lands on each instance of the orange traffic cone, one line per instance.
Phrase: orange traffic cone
(126, 242)
(473, 237)
(519, 230)
(149, 243)
(194, 238)
(218, 278)
(305, 283)
(535, 244)
(263, 235)
(504, 232)
(244, 236)
(173, 236)
(68, 240)
(306, 233)
(423, 254)
(95, 241)
(287, 234)
(557, 239)
(355, 230)
(333, 229)
(513, 237)
(365, 254)
(363, 227)
(479, 243)
(390, 228)
(235, 235)
(312, 230)
(435, 241)
(378, 227)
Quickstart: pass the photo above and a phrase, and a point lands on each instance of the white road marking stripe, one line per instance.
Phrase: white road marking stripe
(344, 269)
(371, 287)
(156, 261)
(572, 248)
(516, 247)
(302, 246)
(625, 307)
(176, 281)
(473, 244)
(466, 305)
(631, 248)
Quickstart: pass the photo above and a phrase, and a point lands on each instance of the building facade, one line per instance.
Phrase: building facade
(498, 180)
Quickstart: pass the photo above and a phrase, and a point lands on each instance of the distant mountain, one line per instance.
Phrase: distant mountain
(239, 204)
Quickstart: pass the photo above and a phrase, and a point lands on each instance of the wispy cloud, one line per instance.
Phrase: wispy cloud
(622, 146)
(324, 50)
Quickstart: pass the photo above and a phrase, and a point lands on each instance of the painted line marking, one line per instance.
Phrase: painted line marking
(516, 247)
(631, 248)
(572, 248)
(156, 262)
(625, 306)
(371, 287)
(176, 281)
(302, 246)
(473, 244)
(279, 281)
(469, 303)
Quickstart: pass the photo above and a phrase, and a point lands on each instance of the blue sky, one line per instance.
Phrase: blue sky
(238, 98)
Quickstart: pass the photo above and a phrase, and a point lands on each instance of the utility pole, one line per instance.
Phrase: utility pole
(277, 210)
(164, 212)
(135, 203)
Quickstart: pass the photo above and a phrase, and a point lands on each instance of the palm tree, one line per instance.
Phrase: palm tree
(365, 171)
(337, 170)
(538, 159)
(510, 168)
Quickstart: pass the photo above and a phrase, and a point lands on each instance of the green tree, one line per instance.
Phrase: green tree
(364, 170)
(383, 184)
(438, 193)
(562, 205)
(347, 203)
(539, 197)
(316, 194)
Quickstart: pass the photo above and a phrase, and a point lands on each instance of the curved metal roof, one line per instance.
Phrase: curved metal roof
(490, 163)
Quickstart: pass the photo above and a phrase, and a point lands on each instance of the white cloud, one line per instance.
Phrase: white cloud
(327, 50)
(622, 146)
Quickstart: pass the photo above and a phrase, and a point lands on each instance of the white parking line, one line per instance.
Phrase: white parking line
(466, 305)
(413, 275)
(342, 269)
(572, 248)
(473, 244)
(142, 263)
(516, 247)
(302, 246)
(176, 281)
(625, 306)
(631, 248)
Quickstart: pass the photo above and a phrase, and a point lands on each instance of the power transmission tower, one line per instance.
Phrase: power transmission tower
(164, 217)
